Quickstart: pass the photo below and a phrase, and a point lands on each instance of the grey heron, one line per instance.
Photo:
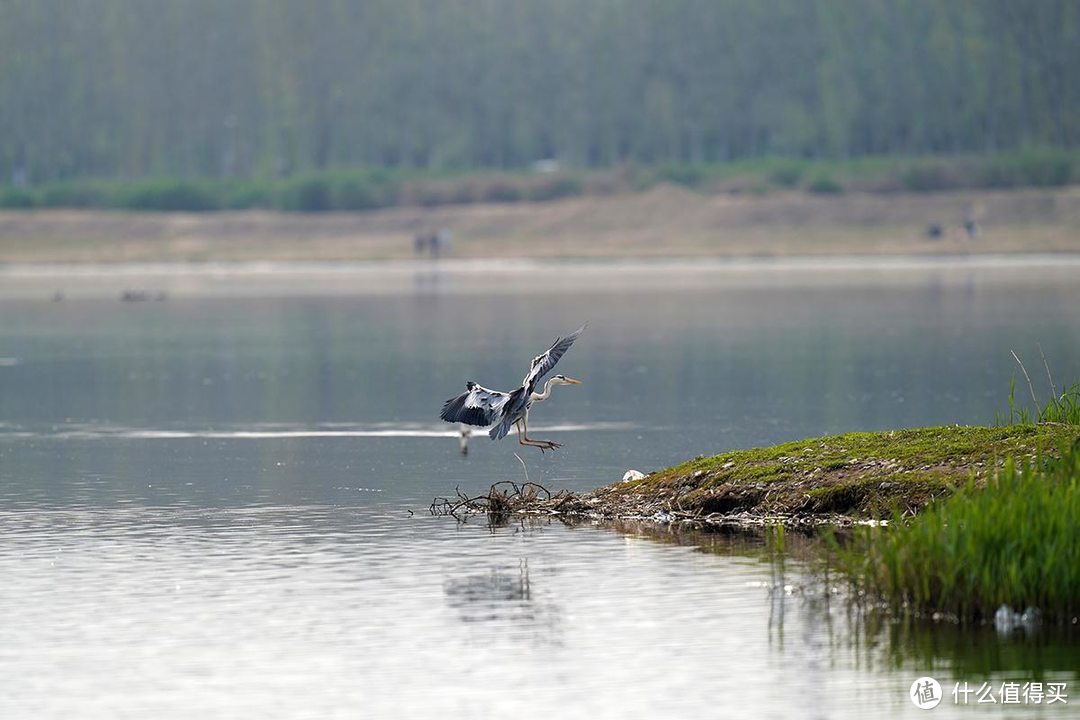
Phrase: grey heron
(482, 407)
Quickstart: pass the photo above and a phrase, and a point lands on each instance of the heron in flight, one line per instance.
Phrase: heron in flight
(480, 406)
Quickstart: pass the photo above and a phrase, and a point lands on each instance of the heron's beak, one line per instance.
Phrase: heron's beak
(572, 381)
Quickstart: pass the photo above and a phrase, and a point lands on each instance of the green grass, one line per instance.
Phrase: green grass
(1008, 541)
(1062, 407)
(371, 188)
(1012, 542)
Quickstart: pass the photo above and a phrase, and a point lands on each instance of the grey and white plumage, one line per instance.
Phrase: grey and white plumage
(477, 406)
(482, 406)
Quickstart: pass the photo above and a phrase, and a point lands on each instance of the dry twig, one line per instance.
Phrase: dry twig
(1030, 386)
(505, 499)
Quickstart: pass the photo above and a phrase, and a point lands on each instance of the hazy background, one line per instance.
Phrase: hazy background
(244, 88)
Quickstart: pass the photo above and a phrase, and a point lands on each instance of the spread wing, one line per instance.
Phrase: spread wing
(477, 406)
(513, 408)
(542, 364)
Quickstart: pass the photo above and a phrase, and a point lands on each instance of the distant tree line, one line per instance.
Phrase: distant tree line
(271, 88)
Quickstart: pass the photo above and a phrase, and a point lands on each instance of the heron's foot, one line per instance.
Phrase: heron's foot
(547, 445)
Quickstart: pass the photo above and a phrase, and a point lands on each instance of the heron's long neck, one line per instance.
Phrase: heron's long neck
(541, 396)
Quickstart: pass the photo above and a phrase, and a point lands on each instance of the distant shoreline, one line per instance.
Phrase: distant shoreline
(661, 223)
(464, 266)
(157, 281)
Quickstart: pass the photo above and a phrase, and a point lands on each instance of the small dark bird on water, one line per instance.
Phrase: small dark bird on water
(482, 407)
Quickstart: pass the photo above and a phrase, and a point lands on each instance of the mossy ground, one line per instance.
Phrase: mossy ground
(857, 475)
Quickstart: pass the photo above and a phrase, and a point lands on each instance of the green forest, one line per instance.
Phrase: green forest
(213, 89)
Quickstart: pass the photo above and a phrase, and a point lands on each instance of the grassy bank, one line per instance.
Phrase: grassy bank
(368, 189)
(1009, 543)
(994, 548)
(861, 475)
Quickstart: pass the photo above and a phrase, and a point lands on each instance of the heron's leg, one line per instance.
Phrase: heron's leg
(542, 444)
(523, 439)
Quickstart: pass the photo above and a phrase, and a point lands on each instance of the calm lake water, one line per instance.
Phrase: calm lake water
(215, 505)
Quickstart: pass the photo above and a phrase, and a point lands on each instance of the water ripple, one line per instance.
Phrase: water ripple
(274, 431)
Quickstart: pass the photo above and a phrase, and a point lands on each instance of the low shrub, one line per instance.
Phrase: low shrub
(1028, 168)
(824, 184)
(305, 193)
(554, 188)
(17, 198)
(171, 195)
(786, 174)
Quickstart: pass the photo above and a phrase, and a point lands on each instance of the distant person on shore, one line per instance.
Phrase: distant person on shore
(440, 242)
(970, 226)
(434, 244)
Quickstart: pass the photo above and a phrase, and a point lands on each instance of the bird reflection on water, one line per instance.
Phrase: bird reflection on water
(503, 597)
